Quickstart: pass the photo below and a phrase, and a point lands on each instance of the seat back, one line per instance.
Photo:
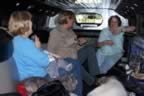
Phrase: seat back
(8, 69)
(7, 81)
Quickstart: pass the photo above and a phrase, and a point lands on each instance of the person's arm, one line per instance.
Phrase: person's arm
(105, 42)
(37, 42)
(82, 41)
(103, 39)
(54, 55)
(127, 29)
(53, 42)
(36, 54)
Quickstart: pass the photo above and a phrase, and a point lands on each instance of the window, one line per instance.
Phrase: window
(89, 18)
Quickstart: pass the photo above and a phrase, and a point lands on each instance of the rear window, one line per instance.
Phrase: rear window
(89, 18)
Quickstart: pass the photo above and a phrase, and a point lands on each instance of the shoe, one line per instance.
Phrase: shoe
(100, 75)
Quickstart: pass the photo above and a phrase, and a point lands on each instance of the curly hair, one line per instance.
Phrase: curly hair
(63, 16)
(117, 17)
(19, 22)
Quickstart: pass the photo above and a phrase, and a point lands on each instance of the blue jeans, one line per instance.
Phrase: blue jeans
(106, 62)
(87, 53)
(77, 72)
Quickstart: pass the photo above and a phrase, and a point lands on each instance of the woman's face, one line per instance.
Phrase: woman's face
(70, 23)
(114, 23)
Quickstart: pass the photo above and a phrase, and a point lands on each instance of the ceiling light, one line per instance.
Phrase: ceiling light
(88, 1)
(132, 8)
(46, 11)
(29, 7)
(127, 7)
(40, 10)
(17, 4)
(136, 5)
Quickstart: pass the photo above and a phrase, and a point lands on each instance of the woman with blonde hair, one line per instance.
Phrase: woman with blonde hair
(63, 41)
(30, 60)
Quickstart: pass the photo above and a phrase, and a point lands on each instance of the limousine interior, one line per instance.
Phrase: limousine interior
(91, 17)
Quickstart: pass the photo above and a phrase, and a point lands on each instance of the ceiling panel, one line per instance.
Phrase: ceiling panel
(77, 4)
(131, 7)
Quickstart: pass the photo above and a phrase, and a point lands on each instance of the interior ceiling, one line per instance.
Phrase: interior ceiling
(123, 7)
(131, 7)
(77, 4)
(34, 6)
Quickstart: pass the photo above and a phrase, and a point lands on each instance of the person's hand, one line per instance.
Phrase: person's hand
(37, 42)
(82, 40)
(108, 42)
(54, 55)
(130, 28)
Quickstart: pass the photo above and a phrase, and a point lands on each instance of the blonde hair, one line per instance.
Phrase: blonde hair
(63, 16)
(32, 84)
(20, 22)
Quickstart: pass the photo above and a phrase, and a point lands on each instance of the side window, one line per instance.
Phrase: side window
(51, 22)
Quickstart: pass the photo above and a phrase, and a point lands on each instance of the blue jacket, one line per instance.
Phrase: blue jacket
(30, 60)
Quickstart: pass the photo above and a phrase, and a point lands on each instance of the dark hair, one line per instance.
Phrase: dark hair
(117, 17)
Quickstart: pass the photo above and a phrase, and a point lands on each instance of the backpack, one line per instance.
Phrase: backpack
(52, 88)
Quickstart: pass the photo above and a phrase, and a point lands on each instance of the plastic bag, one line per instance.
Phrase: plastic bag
(62, 70)
(59, 68)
